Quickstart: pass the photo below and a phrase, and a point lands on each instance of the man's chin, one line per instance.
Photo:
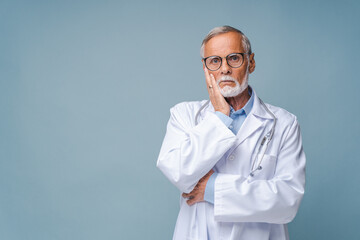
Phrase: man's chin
(230, 92)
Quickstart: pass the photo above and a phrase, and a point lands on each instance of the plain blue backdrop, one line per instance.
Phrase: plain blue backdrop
(85, 92)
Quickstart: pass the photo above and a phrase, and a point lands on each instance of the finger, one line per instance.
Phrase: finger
(194, 200)
(207, 77)
(214, 84)
(212, 78)
(192, 193)
(191, 202)
(190, 198)
(208, 80)
(216, 92)
(185, 195)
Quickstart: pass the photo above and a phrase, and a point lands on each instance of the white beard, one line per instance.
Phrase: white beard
(228, 91)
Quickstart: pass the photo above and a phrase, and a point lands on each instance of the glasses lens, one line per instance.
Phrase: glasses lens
(213, 63)
(235, 60)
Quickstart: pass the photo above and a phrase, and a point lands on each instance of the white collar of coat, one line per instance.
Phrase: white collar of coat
(258, 109)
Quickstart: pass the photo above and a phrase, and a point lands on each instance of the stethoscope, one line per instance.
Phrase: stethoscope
(265, 140)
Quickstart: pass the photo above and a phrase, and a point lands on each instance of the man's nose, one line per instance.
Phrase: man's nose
(225, 68)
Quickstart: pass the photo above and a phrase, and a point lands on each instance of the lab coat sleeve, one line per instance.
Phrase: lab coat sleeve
(189, 152)
(276, 200)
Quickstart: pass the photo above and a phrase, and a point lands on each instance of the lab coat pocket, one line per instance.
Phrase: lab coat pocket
(267, 167)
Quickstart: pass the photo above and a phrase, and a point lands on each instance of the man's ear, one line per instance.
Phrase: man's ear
(252, 63)
(202, 60)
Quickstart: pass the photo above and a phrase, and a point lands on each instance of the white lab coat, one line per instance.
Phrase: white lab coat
(245, 207)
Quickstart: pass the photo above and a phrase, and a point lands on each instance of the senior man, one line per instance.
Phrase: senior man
(238, 162)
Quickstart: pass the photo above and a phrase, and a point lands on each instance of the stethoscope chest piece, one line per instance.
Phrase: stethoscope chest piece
(257, 169)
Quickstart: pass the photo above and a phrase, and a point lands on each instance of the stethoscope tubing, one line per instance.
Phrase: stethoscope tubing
(266, 139)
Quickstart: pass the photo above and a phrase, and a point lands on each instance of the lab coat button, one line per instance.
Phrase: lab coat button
(231, 127)
(231, 157)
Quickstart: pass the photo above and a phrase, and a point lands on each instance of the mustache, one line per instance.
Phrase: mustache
(225, 78)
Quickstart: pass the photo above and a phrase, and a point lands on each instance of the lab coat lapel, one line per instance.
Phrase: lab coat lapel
(255, 120)
(250, 125)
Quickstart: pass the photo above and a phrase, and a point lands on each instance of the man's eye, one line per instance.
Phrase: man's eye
(215, 60)
(234, 58)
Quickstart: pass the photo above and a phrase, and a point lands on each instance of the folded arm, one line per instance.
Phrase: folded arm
(276, 200)
(189, 152)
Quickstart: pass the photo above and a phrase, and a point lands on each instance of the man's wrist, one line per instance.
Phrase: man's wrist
(209, 194)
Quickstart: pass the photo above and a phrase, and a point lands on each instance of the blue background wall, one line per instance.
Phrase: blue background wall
(85, 92)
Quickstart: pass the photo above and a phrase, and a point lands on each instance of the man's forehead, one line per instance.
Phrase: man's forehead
(224, 43)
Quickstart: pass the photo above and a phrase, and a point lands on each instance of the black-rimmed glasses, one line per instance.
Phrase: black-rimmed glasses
(234, 60)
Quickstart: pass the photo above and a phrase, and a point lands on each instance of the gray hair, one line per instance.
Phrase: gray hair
(225, 29)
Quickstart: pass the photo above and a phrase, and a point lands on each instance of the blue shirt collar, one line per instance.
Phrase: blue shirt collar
(248, 106)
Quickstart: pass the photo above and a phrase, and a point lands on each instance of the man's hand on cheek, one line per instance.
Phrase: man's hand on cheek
(217, 100)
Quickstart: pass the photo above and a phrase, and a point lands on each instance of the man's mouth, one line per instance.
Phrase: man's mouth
(226, 81)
